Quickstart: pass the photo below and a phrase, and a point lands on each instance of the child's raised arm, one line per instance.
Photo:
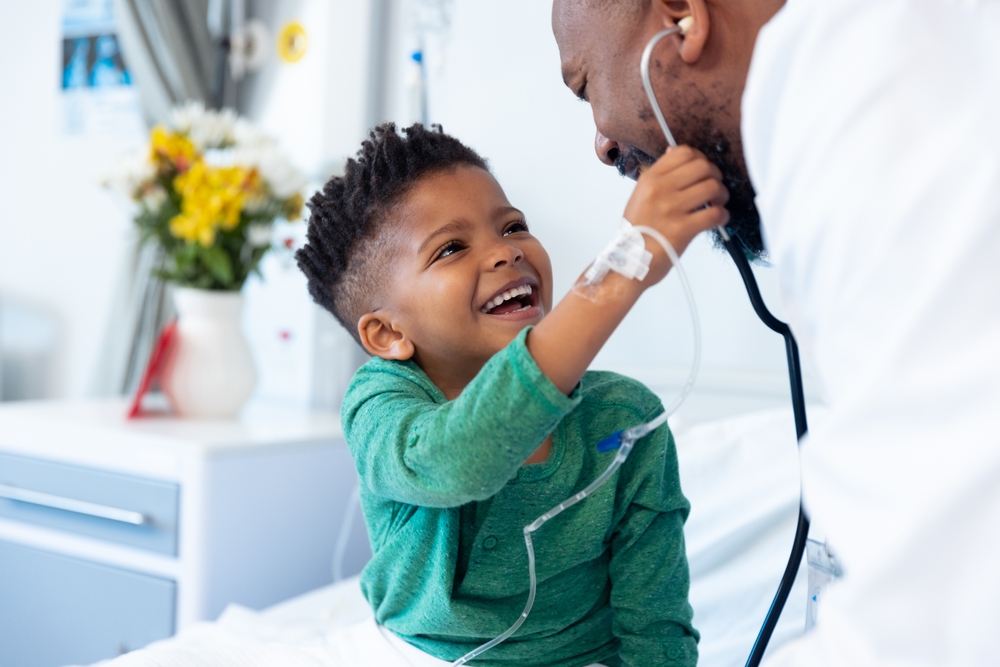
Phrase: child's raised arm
(670, 197)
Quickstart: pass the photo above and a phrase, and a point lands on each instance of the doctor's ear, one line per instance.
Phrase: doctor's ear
(691, 16)
(381, 339)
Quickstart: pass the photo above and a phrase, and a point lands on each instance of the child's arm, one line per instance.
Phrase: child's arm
(412, 446)
(669, 197)
(649, 569)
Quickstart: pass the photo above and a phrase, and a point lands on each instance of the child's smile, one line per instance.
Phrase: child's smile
(517, 300)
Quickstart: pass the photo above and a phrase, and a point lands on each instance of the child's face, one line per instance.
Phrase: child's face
(460, 246)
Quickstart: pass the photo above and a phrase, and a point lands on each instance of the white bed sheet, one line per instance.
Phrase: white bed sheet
(741, 476)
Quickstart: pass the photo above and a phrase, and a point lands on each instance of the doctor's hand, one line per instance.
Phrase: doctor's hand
(671, 196)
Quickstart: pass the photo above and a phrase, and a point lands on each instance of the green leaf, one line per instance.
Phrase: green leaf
(218, 263)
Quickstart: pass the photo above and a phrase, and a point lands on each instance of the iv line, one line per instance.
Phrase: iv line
(623, 441)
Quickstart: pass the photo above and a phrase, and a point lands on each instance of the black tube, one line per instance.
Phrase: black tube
(735, 249)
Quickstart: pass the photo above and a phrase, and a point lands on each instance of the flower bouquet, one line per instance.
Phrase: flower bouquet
(207, 193)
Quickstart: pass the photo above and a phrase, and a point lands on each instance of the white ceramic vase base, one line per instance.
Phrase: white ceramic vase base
(210, 373)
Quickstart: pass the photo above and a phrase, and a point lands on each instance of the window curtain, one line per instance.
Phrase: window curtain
(170, 50)
(173, 57)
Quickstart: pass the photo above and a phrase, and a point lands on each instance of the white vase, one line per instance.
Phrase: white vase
(210, 373)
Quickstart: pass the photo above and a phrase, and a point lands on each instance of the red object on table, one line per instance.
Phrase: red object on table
(154, 367)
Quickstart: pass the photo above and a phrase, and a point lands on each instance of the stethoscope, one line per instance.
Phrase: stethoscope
(735, 249)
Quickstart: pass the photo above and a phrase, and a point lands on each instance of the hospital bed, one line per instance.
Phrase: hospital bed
(741, 476)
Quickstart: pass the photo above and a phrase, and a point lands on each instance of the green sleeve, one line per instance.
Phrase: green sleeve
(412, 447)
(649, 570)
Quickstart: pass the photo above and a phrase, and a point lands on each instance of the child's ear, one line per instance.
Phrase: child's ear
(381, 339)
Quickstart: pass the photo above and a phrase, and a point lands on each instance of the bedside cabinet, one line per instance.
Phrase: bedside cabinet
(116, 533)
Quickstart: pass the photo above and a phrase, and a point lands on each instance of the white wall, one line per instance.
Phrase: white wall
(500, 90)
(62, 238)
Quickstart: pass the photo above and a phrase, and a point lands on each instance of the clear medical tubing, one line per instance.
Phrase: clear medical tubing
(623, 441)
(637, 432)
(735, 249)
(346, 524)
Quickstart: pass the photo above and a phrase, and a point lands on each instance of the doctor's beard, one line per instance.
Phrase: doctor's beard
(744, 220)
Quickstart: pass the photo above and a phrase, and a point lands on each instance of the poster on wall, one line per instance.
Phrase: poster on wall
(99, 96)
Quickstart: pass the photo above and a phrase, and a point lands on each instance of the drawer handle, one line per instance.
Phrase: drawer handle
(72, 505)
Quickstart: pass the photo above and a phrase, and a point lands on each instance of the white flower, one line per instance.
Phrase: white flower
(185, 116)
(246, 135)
(153, 196)
(221, 157)
(285, 180)
(258, 235)
(205, 128)
(281, 176)
(131, 174)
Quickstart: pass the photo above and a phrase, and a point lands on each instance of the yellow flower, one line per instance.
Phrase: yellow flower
(293, 207)
(170, 149)
(256, 192)
(193, 229)
(211, 199)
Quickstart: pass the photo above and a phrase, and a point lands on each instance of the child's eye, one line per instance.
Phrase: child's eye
(450, 249)
(519, 226)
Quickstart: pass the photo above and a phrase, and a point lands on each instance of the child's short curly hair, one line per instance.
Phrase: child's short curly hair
(345, 257)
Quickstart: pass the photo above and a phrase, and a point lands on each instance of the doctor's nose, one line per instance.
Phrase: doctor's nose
(607, 150)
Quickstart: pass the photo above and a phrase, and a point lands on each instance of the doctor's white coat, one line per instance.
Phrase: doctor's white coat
(872, 136)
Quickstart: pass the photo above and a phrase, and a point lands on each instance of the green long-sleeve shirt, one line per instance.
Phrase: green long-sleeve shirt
(445, 497)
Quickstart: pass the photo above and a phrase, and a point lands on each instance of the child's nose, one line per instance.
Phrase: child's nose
(507, 254)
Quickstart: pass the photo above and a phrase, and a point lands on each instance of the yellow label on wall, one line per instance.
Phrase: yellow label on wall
(292, 42)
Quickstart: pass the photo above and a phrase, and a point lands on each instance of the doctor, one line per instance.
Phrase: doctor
(867, 133)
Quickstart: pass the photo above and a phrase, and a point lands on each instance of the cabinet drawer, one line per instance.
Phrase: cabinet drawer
(57, 610)
(118, 508)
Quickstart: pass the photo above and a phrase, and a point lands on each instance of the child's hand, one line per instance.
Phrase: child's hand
(670, 196)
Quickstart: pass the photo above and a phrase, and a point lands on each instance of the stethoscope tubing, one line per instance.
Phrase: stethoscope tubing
(735, 248)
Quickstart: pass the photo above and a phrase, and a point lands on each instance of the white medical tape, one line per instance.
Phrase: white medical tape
(626, 254)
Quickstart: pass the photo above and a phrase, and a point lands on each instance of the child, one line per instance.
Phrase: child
(476, 415)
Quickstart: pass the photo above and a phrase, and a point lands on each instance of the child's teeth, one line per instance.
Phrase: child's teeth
(523, 290)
